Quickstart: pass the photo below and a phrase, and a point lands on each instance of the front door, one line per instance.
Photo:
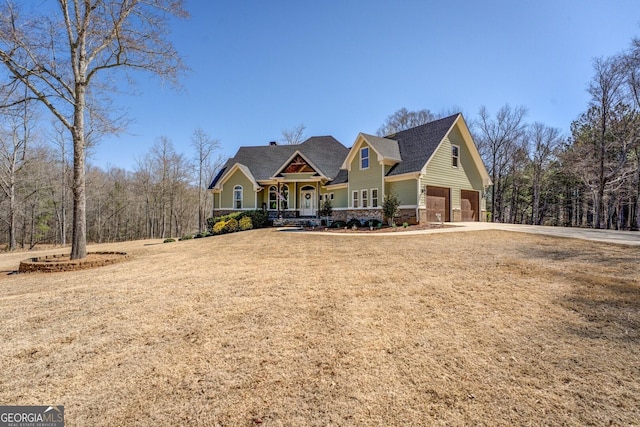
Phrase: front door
(307, 201)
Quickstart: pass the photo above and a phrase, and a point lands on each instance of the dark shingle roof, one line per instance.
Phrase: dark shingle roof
(418, 144)
(325, 152)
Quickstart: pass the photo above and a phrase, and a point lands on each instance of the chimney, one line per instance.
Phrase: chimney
(273, 143)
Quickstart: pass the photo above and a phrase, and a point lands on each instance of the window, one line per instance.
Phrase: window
(374, 198)
(355, 199)
(365, 198)
(455, 154)
(237, 197)
(273, 198)
(328, 196)
(364, 158)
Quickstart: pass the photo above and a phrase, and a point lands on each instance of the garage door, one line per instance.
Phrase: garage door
(438, 202)
(470, 205)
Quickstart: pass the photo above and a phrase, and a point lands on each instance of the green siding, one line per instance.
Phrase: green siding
(365, 179)
(248, 194)
(340, 198)
(441, 173)
(405, 190)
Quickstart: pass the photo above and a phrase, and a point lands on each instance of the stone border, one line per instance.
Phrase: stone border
(48, 264)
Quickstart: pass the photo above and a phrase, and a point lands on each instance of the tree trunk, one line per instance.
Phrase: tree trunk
(79, 229)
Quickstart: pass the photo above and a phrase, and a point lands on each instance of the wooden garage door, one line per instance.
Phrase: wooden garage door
(438, 202)
(470, 205)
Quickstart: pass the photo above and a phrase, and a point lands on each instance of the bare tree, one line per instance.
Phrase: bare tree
(545, 142)
(14, 138)
(204, 146)
(294, 135)
(497, 140)
(60, 55)
(404, 119)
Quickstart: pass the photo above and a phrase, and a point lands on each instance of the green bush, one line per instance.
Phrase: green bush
(390, 206)
(219, 227)
(373, 223)
(338, 224)
(259, 218)
(231, 225)
(187, 237)
(353, 222)
(169, 240)
(245, 223)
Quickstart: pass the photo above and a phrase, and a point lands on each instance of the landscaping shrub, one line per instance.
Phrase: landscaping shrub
(231, 225)
(187, 237)
(219, 227)
(338, 224)
(245, 223)
(373, 223)
(353, 222)
(259, 218)
(169, 240)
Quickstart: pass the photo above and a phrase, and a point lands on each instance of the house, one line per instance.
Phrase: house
(435, 170)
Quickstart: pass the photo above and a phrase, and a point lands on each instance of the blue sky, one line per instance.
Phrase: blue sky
(341, 67)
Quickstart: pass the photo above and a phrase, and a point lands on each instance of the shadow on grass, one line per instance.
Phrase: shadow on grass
(605, 292)
(610, 309)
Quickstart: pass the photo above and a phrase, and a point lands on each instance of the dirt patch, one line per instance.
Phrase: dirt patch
(268, 328)
(63, 262)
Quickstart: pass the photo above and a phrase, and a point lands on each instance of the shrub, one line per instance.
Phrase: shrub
(374, 223)
(219, 227)
(338, 224)
(353, 222)
(187, 237)
(245, 223)
(259, 218)
(231, 225)
(390, 206)
(169, 240)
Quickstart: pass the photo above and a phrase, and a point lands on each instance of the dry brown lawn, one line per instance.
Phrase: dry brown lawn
(274, 328)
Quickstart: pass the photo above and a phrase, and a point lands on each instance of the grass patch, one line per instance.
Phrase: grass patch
(269, 328)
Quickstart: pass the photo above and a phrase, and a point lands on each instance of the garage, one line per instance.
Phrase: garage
(438, 202)
(470, 205)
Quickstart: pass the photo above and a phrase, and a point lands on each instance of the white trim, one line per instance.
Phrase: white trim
(377, 198)
(403, 177)
(407, 206)
(237, 166)
(356, 198)
(337, 186)
(363, 193)
(234, 200)
(309, 162)
(457, 157)
(368, 157)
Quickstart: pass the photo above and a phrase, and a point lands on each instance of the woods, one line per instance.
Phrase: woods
(159, 198)
(589, 178)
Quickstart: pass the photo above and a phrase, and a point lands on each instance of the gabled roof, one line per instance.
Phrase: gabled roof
(387, 149)
(324, 152)
(418, 144)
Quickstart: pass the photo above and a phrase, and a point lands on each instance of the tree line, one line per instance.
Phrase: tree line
(163, 196)
(588, 178)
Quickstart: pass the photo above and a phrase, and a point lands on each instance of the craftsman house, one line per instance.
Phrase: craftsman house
(435, 170)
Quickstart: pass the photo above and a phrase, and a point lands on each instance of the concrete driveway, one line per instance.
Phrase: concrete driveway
(631, 238)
